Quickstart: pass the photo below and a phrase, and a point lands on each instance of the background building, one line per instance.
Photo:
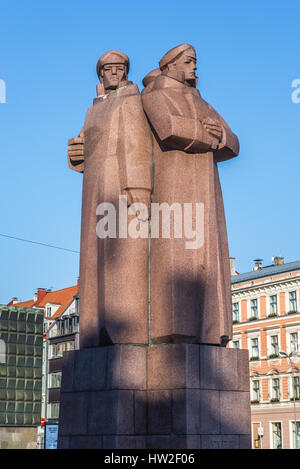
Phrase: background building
(21, 345)
(266, 320)
(60, 325)
(62, 336)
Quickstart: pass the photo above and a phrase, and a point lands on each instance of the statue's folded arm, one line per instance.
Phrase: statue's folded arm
(229, 147)
(174, 130)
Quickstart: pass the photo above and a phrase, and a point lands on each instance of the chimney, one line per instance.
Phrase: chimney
(40, 294)
(258, 264)
(277, 260)
(232, 266)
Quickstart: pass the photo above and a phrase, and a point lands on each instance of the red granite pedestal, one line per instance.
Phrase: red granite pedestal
(169, 396)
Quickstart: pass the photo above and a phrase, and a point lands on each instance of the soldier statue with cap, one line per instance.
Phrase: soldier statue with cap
(190, 297)
(114, 152)
(155, 311)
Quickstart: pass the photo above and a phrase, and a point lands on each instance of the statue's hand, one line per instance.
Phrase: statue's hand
(213, 128)
(139, 196)
(76, 148)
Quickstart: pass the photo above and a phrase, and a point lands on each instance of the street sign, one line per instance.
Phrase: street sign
(260, 431)
(51, 432)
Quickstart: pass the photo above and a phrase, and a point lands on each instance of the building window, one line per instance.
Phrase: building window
(254, 348)
(296, 388)
(57, 350)
(274, 346)
(294, 342)
(67, 326)
(77, 305)
(293, 301)
(254, 308)
(235, 344)
(55, 380)
(273, 305)
(75, 322)
(60, 349)
(70, 345)
(297, 434)
(255, 391)
(275, 390)
(52, 350)
(53, 410)
(276, 435)
(61, 327)
(235, 312)
(48, 311)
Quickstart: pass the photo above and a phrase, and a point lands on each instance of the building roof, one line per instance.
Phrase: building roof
(61, 297)
(24, 304)
(266, 272)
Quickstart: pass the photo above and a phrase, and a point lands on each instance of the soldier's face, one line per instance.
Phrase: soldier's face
(187, 63)
(112, 75)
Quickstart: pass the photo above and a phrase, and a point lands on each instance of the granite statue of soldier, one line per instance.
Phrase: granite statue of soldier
(114, 152)
(159, 385)
(190, 295)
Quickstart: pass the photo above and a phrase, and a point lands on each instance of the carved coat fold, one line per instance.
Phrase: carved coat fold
(190, 289)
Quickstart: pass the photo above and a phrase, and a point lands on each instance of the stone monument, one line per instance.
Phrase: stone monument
(153, 370)
(114, 152)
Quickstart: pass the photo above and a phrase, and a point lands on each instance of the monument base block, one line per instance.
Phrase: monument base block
(168, 396)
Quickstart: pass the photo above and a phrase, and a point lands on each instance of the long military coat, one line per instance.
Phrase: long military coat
(190, 289)
(113, 272)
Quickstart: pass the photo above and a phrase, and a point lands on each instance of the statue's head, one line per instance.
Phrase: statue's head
(180, 63)
(112, 69)
(150, 77)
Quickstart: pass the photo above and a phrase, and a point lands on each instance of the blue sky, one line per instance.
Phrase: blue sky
(248, 56)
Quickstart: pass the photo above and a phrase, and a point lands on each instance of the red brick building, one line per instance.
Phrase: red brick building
(266, 320)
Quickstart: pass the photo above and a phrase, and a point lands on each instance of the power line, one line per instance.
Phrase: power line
(41, 244)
